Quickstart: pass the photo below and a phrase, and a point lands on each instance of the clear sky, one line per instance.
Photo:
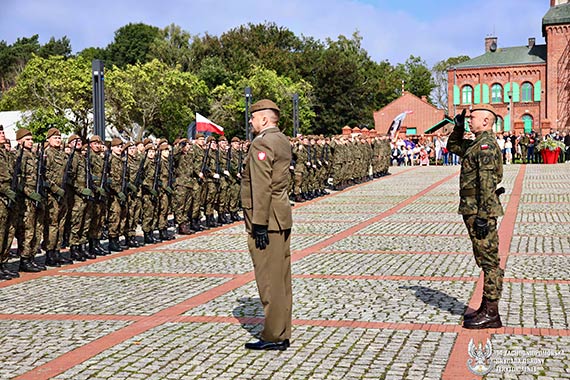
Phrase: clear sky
(391, 29)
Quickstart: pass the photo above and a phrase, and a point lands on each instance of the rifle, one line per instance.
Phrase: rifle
(40, 169)
(138, 176)
(104, 176)
(240, 158)
(124, 184)
(217, 180)
(170, 182)
(68, 165)
(229, 159)
(88, 174)
(15, 176)
(204, 162)
(156, 180)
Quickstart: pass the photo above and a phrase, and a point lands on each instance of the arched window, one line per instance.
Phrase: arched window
(526, 92)
(496, 93)
(498, 127)
(467, 95)
(528, 121)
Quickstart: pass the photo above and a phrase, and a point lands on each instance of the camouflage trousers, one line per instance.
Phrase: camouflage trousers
(149, 212)
(54, 221)
(96, 213)
(78, 231)
(486, 253)
(28, 228)
(117, 217)
(182, 202)
(6, 230)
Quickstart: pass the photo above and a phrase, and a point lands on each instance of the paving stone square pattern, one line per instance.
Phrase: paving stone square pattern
(28, 344)
(358, 242)
(214, 351)
(375, 264)
(101, 295)
(355, 300)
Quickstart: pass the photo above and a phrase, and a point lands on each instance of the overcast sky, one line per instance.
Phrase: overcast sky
(391, 29)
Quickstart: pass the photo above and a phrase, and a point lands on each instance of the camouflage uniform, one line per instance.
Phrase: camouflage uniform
(7, 197)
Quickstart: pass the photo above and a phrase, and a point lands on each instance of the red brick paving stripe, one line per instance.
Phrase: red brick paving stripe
(536, 281)
(383, 277)
(69, 317)
(146, 274)
(456, 367)
(373, 252)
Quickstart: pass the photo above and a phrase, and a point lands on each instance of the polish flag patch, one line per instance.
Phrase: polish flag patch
(261, 156)
(484, 147)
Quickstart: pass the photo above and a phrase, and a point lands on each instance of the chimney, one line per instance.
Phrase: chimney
(424, 98)
(490, 44)
(531, 42)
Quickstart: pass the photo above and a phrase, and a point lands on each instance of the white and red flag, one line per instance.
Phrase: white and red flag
(205, 125)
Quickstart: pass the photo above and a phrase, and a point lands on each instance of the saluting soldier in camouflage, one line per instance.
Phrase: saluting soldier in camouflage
(7, 206)
(28, 227)
(54, 217)
(481, 172)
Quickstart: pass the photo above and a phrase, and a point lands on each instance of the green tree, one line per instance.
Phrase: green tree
(13, 59)
(416, 76)
(91, 53)
(172, 47)
(158, 99)
(439, 72)
(56, 47)
(40, 120)
(60, 86)
(229, 101)
(131, 44)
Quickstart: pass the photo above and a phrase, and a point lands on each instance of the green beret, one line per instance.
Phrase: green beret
(264, 104)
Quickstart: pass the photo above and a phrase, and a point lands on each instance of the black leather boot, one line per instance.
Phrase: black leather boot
(148, 238)
(114, 245)
(51, 259)
(235, 216)
(124, 244)
(75, 253)
(99, 249)
(27, 265)
(38, 264)
(62, 258)
(7, 272)
(488, 318)
(164, 235)
(132, 242)
(196, 225)
(86, 252)
(476, 312)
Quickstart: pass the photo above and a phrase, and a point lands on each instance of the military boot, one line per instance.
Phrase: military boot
(132, 242)
(164, 235)
(488, 318)
(196, 226)
(184, 229)
(99, 249)
(114, 245)
(235, 216)
(476, 312)
(51, 259)
(38, 264)
(148, 239)
(7, 272)
(124, 244)
(27, 265)
(62, 258)
(86, 252)
(75, 253)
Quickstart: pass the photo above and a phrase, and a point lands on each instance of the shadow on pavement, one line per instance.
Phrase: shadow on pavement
(438, 299)
(250, 314)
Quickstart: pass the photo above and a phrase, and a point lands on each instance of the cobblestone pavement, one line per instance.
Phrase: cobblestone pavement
(382, 274)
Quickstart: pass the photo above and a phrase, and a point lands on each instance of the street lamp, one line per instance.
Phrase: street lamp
(295, 115)
(247, 102)
(97, 70)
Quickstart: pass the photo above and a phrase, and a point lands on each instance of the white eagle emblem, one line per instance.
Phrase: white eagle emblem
(480, 362)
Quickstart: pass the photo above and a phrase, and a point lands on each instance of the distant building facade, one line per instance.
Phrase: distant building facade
(529, 85)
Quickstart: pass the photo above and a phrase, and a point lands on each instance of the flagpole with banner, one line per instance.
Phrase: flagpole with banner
(204, 125)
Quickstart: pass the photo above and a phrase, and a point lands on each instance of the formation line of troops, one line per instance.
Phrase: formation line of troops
(54, 195)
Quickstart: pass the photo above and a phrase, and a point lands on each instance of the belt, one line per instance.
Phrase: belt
(467, 192)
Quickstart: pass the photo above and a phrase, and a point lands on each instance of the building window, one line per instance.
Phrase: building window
(411, 131)
(527, 120)
(467, 95)
(496, 93)
(498, 127)
(527, 92)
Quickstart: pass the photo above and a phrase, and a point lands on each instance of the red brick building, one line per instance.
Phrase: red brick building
(421, 115)
(529, 85)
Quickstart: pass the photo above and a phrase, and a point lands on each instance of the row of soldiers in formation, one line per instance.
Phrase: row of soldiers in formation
(54, 195)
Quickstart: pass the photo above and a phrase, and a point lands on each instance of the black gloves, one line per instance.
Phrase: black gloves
(459, 121)
(481, 228)
(260, 235)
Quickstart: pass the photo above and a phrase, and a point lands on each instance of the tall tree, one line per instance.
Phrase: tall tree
(416, 76)
(56, 47)
(439, 71)
(172, 47)
(131, 44)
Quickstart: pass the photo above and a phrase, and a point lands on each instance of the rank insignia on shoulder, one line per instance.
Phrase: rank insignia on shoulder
(484, 146)
(261, 156)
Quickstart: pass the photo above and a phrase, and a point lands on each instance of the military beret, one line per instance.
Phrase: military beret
(183, 141)
(127, 145)
(222, 138)
(148, 147)
(147, 141)
(95, 138)
(116, 141)
(53, 132)
(264, 104)
(176, 141)
(235, 139)
(484, 107)
(22, 132)
(210, 138)
(72, 138)
(199, 136)
(163, 146)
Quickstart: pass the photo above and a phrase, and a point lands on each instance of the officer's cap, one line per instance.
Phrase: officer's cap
(484, 107)
(22, 132)
(264, 104)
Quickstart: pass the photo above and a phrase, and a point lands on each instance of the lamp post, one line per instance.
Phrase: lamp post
(247, 101)
(295, 115)
(97, 71)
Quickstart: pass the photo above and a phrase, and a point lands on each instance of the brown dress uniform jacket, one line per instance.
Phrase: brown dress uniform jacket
(265, 182)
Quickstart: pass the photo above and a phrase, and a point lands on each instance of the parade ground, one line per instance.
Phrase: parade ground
(382, 275)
